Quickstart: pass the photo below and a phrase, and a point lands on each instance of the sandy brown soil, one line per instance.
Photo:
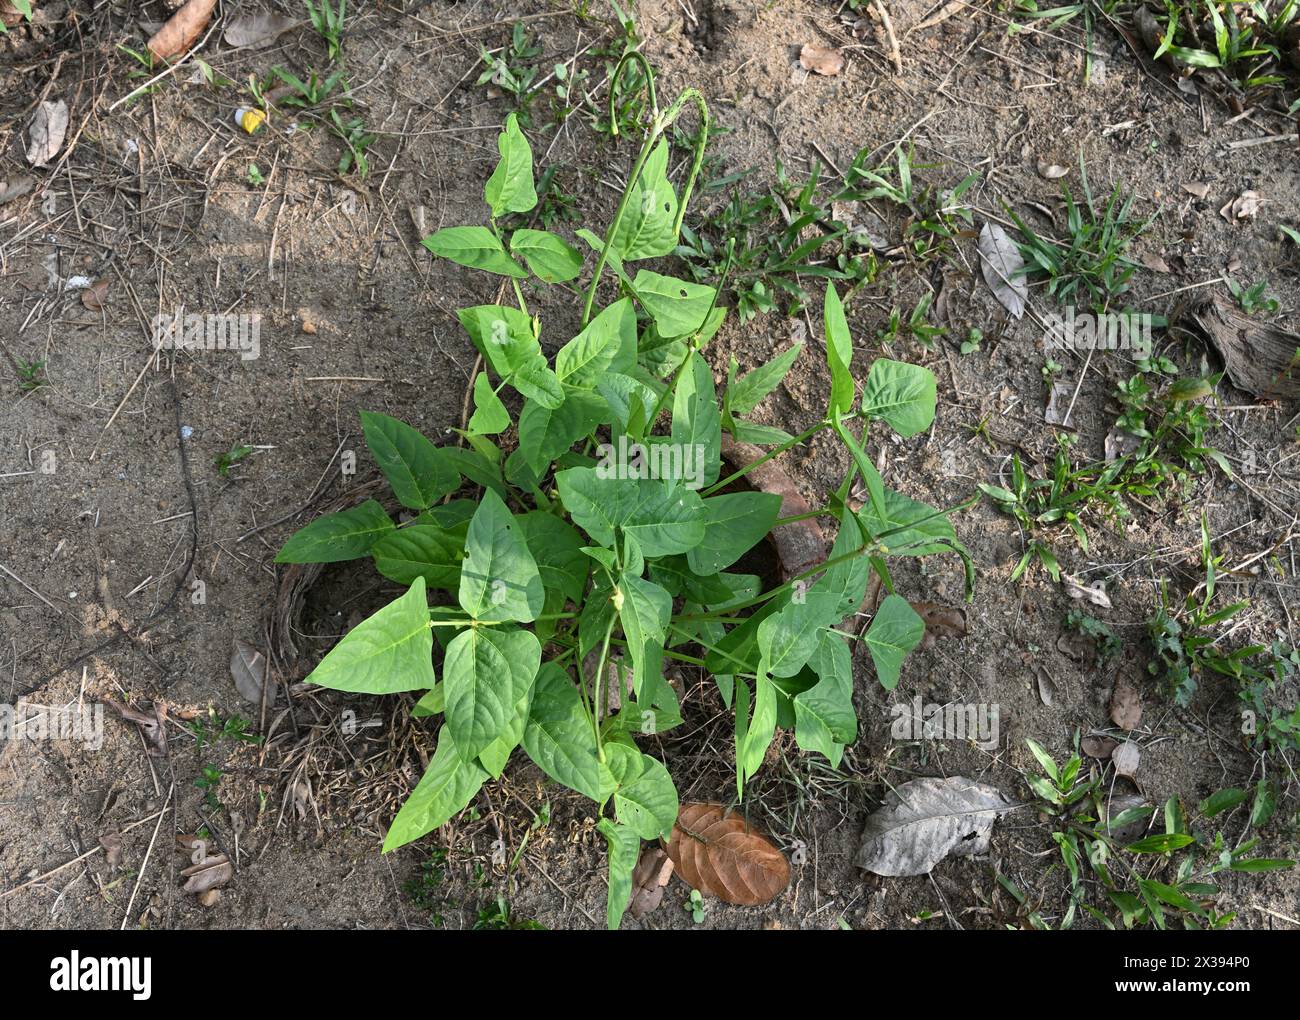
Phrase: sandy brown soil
(108, 516)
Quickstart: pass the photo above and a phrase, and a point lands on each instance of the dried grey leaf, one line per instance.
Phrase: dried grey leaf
(15, 187)
(1051, 171)
(248, 667)
(257, 29)
(925, 820)
(45, 135)
(1126, 759)
(1094, 593)
(822, 60)
(1001, 263)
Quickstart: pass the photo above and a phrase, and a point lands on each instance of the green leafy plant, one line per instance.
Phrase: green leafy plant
(1255, 299)
(230, 458)
(212, 729)
(1086, 834)
(508, 70)
(328, 23)
(209, 781)
(601, 545)
(1093, 266)
(31, 376)
(694, 906)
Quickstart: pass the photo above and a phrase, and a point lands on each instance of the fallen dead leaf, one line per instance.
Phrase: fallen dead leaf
(248, 667)
(1001, 263)
(111, 841)
(1094, 593)
(46, 132)
(152, 723)
(182, 29)
(716, 852)
(1244, 207)
(1051, 171)
(940, 622)
(1120, 443)
(1126, 758)
(925, 820)
(1046, 687)
(95, 296)
(1198, 189)
(1154, 262)
(1125, 705)
(822, 60)
(210, 873)
(800, 545)
(1057, 411)
(1098, 747)
(257, 29)
(649, 878)
(15, 187)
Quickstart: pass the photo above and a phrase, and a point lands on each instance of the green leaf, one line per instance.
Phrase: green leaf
(490, 415)
(664, 519)
(1265, 803)
(448, 785)
(388, 652)
(510, 188)
(559, 737)
(1256, 864)
(434, 702)
(839, 354)
(747, 392)
(759, 435)
(629, 400)
(496, 755)
(418, 471)
(346, 535)
(498, 579)
(557, 550)
(648, 227)
(608, 344)
(895, 630)
(753, 734)
(644, 616)
(697, 423)
(505, 337)
(919, 523)
(1222, 800)
(1160, 844)
(486, 672)
(645, 799)
(733, 524)
(420, 550)
(624, 852)
(476, 247)
(901, 395)
(547, 432)
(676, 306)
(824, 718)
(552, 259)
(864, 464)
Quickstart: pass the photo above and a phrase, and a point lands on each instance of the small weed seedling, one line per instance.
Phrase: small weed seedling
(31, 376)
(229, 459)
(508, 70)
(1093, 267)
(694, 906)
(255, 177)
(209, 781)
(1085, 834)
(496, 917)
(328, 23)
(1255, 299)
(601, 545)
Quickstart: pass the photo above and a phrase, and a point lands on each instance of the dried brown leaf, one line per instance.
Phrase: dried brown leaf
(210, 873)
(248, 667)
(718, 853)
(649, 878)
(1125, 705)
(1098, 747)
(95, 296)
(15, 187)
(1094, 593)
(182, 29)
(823, 60)
(152, 723)
(941, 622)
(1051, 171)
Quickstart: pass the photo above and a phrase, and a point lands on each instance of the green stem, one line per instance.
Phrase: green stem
(776, 451)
